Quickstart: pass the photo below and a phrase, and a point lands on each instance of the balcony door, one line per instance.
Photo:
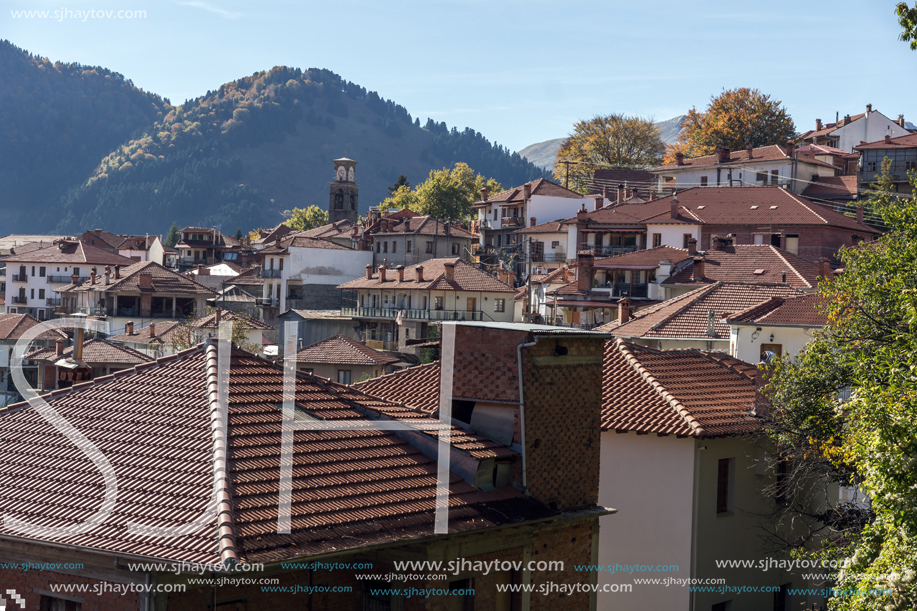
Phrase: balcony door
(472, 304)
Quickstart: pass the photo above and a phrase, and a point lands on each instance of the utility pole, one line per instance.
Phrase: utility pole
(566, 174)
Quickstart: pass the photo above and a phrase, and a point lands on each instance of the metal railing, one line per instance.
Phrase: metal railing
(51, 301)
(607, 251)
(66, 279)
(271, 273)
(19, 300)
(392, 313)
(378, 344)
(550, 257)
(20, 278)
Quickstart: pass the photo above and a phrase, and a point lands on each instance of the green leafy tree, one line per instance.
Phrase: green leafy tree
(907, 18)
(173, 236)
(736, 118)
(401, 199)
(303, 219)
(446, 194)
(189, 333)
(401, 182)
(614, 140)
(238, 235)
(845, 410)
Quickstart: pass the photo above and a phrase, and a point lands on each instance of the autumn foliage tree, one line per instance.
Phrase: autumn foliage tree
(446, 194)
(736, 118)
(303, 219)
(616, 140)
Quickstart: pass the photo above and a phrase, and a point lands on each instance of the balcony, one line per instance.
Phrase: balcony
(19, 300)
(378, 344)
(271, 273)
(550, 257)
(512, 221)
(607, 251)
(20, 278)
(51, 301)
(268, 302)
(392, 313)
(66, 279)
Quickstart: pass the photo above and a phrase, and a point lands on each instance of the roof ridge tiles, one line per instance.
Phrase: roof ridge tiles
(792, 267)
(706, 356)
(674, 403)
(687, 303)
(802, 203)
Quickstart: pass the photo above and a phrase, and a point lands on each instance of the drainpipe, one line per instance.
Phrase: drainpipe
(522, 409)
(697, 451)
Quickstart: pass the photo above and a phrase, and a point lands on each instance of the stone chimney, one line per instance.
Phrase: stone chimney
(888, 139)
(527, 191)
(620, 194)
(107, 274)
(698, 269)
(824, 268)
(599, 202)
(604, 192)
(152, 330)
(534, 222)
(449, 269)
(418, 273)
(567, 277)
(692, 246)
(146, 281)
(219, 317)
(860, 214)
(679, 158)
(400, 271)
(869, 108)
(484, 194)
(900, 121)
(382, 270)
(722, 154)
(369, 271)
(663, 271)
(92, 277)
(818, 125)
(74, 279)
(584, 271)
(623, 309)
(790, 148)
(407, 225)
(653, 195)
(129, 327)
(673, 212)
(749, 152)
(59, 347)
(117, 272)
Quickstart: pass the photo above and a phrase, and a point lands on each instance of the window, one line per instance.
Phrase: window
(657, 240)
(385, 247)
(378, 247)
(33, 270)
(455, 248)
(409, 246)
(775, 240)
(499, 305)
(773, 349)
(41, 272)
(761, 177)
(394, 246)
(343, 376)
(437, 303)
(32, 293)
(871, 166)
(424, 303)
(461, 595)
(684, 240)
(703, 181)
(725, 482)
(910, 165)
(429, 247)
(49, 603)
(41, 293)
(41, 314)
(555, 245)
(792, 243)
(775, 177)
(280, 263)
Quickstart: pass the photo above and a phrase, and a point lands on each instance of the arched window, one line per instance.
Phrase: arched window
(339, 200)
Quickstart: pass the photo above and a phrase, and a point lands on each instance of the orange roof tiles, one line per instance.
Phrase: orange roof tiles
(210, 321)
(643, 259)
(417, 387)
(805, 311)
(163, 280)
(773, 152)
(94, 351)
(832, 186)
(908, 141)
(539, 187)
(467, 278)
(13, 326)
(342, 350)
(162, 333)
(758, 263)
(71, 253)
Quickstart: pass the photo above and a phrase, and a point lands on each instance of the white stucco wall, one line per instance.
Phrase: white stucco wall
(744, 347)
(672, 235)
(745, 174)
(648, 479)
(873, 126)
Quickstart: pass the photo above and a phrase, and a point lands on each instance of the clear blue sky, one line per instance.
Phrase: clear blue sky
(519, 72)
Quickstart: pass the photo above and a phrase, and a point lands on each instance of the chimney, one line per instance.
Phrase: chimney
(869, 108)
(900, 121)
(382, 270)
(711, 320)
(818, 125)
(599, 202)
(679, 158)
(692, 246)
(78, 344)
(527, 191)
(790, 148)
(674, 209)
(92, 277)
(860, 214)
(74, 279)
(400, 271)
(762, 375)
(369, 271)
(534, 222)
(407, 225)
(749, 152)
(653, 195)
(623, 309)
(584, 272)
(620, 194)
(219, 318)
(129, 327)
(117, 272)
(449, 269)
(824, 268)
(59, 348)
(107, 274)
(484, 194)
(888, 139)
(152, 330)
(722, 154)
(698, 268)
(418, 273)
(146, 281)
(604, 192)
(567, 274)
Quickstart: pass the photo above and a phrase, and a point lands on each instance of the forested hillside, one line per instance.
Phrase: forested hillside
(56, 121)
(239, 156)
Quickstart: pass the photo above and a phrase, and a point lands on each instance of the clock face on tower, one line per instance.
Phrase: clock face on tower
(342, 173)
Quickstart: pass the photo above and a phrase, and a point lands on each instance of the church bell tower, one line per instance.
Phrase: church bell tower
(344, 196)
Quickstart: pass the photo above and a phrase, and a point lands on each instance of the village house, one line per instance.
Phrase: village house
(12, 328)
(34, 277)
(513, 501)
(206, 246)
(902, 151)
(849, 131)
(208, 326)
(343, 359)
(154, 340)
(56, 364)
(776, 327)
(397, 305)
(136, 247)
(412, 239)
(215, 276)
(140, 291)
(315, 325)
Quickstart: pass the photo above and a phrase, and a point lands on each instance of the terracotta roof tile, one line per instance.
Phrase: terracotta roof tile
(467, 278)
(747, 263)
(249, 277)
(163, 280)
(209, 321)
(643, 259)
(162, 333)
(422, 225)
(549, 227)
(908, 141)
(342, 350)
(773, 152)
(13, 326)
(71, 253)
(301, 241)
(416, 387)
(332, 230)
(539, 187)
(94, 351)
(832, 186)
(807, 311)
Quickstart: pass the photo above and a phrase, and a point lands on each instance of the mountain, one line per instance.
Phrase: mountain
(240, 156)
(56, 121)
(543, 154)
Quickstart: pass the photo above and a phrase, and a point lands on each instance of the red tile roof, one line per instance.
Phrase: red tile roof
(747, 263)
(827, 128)
(908, 141)
(804, 311)
(467, 278)
(71, 253)
(250, 277)
(539, 187)
(416, 387)
(94, 351)
(341, 350)
(832, 186)
(689, 315)
(773, 152)
(676, 392)
(554, 277)
(643, 259)
(549, 227)
(209, 321)
(13, 326)
(300, 241)
(163, 280)
(163, 330)
(351, 489)
(331, 230)
(421, 225)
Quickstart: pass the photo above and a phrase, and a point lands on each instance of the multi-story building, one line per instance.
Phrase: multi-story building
(849, 131)
(12, 328)
(902, 151)
(393, 306)
(34, 278)
(343, 359)
(136, 247)
(778, 327)
(206, 246)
